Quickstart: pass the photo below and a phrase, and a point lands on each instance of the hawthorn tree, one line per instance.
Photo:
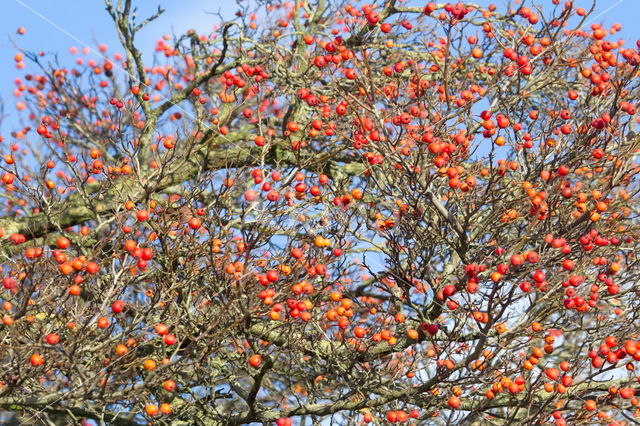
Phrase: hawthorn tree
(327, 212)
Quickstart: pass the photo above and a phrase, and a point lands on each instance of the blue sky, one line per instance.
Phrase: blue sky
(55, 26)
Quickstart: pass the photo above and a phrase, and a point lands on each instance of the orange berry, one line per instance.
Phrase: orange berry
(151, 409)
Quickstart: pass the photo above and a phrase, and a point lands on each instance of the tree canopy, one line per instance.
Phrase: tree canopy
(327, 212)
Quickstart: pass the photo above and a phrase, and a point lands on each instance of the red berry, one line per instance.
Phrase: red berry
(142, 215)
(118, 306)
(52, 339)
(255, 361)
